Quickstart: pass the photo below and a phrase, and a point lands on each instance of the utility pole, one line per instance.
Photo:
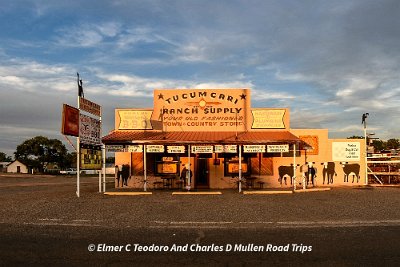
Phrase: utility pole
(364, 121)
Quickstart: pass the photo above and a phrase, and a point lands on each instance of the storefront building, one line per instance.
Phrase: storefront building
(211, 130)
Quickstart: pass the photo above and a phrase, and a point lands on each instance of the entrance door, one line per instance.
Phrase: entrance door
(202, 174)
(18, 169)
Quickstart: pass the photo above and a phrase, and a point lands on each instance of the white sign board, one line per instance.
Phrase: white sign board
(176, 149)
(253, 148)
(135, 148)
(225, 148)
(346, 151)
(115, 148)
(155, 148)
(277, 148)
(89, 130)
(202, 149)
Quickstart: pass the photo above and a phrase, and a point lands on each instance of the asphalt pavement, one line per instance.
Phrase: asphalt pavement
(44, 223)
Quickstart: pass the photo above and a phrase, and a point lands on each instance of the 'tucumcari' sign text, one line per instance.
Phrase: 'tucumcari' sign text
(202, 109)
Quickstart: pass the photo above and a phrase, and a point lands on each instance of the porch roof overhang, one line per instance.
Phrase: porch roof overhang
(158, 137)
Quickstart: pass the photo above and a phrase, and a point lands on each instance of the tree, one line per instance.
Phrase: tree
(4, 157)
(379, 145)
(355, 137)
(393, 143)
(110, 159)
(38, 151)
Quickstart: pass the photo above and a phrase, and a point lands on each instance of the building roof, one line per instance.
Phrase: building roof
(153, 137)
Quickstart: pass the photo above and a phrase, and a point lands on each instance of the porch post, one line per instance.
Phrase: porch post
(240, 169)
(190, 176)
(294, 166)
(145, 168)
(104, 168)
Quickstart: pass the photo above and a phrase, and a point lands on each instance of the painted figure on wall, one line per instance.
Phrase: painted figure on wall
(311, 173)
(125, 174)
(117, 174)
(328, 172)
(285, 171)
(183, 175)
(349, 169)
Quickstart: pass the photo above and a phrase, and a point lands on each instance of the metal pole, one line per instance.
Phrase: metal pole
(144, 168)
(240, 169)
(100, 176)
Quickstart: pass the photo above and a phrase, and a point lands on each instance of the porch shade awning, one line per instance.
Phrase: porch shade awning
(152, 137)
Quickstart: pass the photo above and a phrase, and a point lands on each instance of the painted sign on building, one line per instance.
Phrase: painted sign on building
(270, 118)
(176, 149)
(135, 148)
(155, 148)
(225, 148)
(202, 109)
(346, 151)
(202, 149)
(277, 148)
(115, 148)
(253, 148)
(133, 119)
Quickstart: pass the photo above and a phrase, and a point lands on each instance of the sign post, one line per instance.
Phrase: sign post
(89, 135)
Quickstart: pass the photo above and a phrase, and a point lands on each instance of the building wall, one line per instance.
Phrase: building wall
(321, 153)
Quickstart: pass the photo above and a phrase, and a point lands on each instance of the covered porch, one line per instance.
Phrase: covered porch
(156, 159)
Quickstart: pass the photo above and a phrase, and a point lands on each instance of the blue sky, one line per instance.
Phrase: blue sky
(328, 61)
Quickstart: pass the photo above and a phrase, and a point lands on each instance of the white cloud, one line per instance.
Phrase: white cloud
(87, 34)
(31, 76)
(272, 95)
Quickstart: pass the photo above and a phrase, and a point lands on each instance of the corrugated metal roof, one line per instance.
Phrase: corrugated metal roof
(199, 137)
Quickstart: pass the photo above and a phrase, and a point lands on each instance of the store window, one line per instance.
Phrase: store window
(231, 165)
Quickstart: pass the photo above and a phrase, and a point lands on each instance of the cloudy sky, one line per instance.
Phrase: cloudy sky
(328, 61)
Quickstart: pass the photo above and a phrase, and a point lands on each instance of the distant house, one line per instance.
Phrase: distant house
(17, 167)
(3, 166)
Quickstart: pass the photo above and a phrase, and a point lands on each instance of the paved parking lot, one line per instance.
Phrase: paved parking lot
(42, 221)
